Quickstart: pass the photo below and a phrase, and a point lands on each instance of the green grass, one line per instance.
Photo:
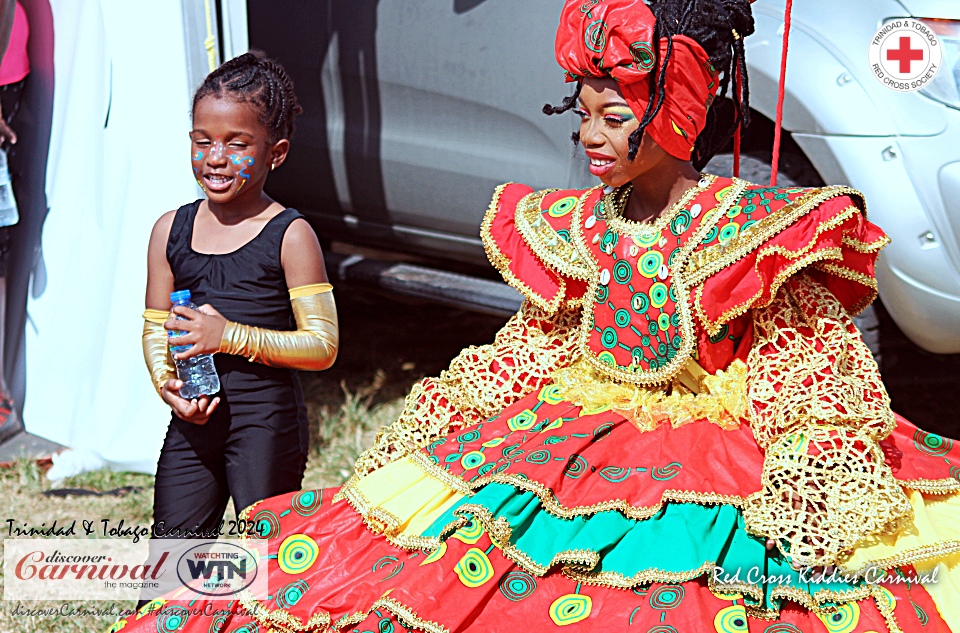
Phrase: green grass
(342, 425)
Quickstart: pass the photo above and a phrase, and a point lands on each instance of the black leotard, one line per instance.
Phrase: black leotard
(255, 444)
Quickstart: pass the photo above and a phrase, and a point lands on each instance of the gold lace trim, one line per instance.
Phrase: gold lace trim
(931, 486)
(381, 522)
(909, 557)
(616, 201)
(720, 398)
(885, 609)
(408, 615)
(578, 563)
(802, 258)
(559, 255)
(818, 408)
(480, 382)
(678, 275)
(852, 275)
(809, 366)
(864, 247)
(502, 263)
(715, 258)
(550, 503)
(500, 533)
(281, 620)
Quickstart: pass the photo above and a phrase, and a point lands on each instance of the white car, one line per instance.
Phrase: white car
(416, 109)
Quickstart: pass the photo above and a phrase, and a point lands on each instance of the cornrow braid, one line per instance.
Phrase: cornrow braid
(260, 81)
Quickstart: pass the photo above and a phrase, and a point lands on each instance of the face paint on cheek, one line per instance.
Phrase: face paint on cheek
(246, 161)
(196, 158)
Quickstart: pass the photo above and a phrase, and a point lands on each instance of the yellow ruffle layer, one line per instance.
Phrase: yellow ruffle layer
(400, 501)
(931, 539)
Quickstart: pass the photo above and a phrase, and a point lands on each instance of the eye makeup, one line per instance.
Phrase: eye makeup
(622, 113)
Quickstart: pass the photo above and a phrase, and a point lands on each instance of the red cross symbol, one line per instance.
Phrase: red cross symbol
(905, 54)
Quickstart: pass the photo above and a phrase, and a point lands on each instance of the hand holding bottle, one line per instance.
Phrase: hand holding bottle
(202, 327)
(195, 366)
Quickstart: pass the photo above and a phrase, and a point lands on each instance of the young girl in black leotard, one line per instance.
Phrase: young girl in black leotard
(256, 270)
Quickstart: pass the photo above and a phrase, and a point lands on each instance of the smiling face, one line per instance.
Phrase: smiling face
(606, 123)
(231, 150)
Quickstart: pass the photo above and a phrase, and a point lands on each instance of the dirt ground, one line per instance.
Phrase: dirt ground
(408, 339)
(392, 342)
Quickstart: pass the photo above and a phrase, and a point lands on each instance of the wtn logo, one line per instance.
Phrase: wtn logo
(223, 572)
(223, 569)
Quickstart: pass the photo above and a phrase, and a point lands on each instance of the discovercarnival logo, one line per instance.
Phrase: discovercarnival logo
(110, 569)
(905, 55)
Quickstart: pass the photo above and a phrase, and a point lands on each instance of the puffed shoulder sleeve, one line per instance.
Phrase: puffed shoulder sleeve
(526, 235)
(824, 231)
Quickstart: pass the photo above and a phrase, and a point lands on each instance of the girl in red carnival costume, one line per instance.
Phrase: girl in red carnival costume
(681, 430)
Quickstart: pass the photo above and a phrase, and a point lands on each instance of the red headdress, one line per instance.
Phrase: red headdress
(614, 38)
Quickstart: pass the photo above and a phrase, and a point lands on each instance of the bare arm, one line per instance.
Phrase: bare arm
(159, 275)
(301, 257)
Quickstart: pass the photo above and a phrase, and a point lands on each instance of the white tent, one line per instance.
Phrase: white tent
(124, 73)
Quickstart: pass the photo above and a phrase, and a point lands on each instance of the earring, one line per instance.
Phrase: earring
(273, 166)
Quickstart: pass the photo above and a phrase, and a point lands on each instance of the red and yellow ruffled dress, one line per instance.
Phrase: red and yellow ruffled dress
(670, 396)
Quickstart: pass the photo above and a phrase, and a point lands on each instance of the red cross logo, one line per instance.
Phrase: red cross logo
(905, 54)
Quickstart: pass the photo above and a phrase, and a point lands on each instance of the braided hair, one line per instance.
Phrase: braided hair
(260, 81)
(719, 26)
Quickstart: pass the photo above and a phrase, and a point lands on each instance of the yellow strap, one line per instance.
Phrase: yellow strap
(210, 43)
(309, 289)
(691, 376)
(156, 316)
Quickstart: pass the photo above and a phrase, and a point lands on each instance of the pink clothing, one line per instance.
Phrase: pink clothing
(16, 64)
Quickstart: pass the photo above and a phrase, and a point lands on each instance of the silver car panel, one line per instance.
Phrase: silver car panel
(450, 107)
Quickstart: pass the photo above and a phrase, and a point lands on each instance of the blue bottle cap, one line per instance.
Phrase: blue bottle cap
(180, 296)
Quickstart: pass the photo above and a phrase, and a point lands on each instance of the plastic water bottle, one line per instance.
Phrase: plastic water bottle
(8, 204)
(198, 373)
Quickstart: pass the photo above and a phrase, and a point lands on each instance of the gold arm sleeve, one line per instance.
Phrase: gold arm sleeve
(156, 349)
(818, 409)
(312, 346)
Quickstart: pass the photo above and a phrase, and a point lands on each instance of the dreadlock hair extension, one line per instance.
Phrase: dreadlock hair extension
(260, 81)
(566, 104)
(719, 26)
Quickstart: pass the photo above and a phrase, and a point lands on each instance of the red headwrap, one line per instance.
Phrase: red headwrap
(613, 38)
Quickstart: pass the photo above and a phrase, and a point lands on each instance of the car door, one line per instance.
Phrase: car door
(415, 110)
